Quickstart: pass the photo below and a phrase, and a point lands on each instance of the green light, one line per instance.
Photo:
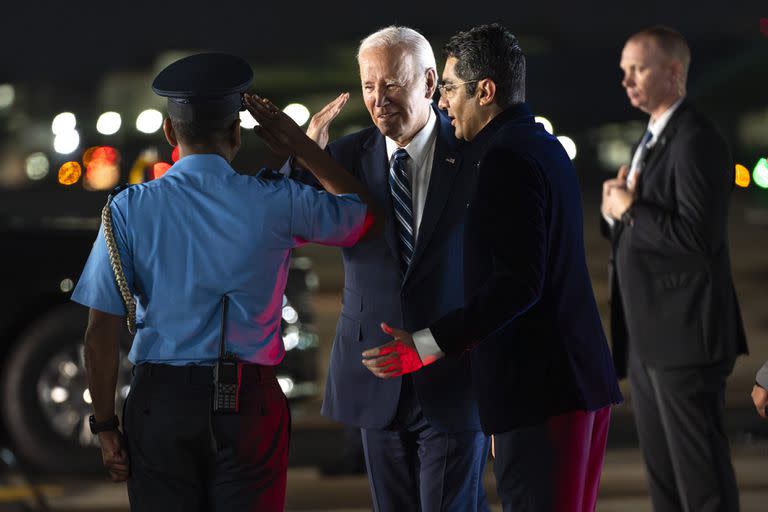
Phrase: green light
(760, 173)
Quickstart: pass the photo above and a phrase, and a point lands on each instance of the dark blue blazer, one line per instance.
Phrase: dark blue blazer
(530, 313)
(375, 289)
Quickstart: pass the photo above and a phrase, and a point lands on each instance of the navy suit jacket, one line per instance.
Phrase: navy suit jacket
(540, 349)
(375, 289)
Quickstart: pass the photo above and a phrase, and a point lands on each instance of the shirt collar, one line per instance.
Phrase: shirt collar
(201, 163)
(418, 148)
(657, 126)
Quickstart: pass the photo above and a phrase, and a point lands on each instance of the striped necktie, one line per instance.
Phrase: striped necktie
(400, 186)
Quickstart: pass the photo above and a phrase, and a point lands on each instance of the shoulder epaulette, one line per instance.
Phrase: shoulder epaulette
(119, 189)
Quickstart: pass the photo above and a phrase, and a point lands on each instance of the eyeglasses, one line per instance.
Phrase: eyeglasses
(447, 89)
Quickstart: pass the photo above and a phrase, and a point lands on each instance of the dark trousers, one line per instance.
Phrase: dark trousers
(680, 423)
(413, 467)
(554, 466)
(184, 458)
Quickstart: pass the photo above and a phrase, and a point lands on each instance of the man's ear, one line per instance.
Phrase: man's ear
(431, 82)
(486, 91)
(234, 134)
(170, 135)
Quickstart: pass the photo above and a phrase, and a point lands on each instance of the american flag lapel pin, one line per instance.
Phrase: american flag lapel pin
(450, 160)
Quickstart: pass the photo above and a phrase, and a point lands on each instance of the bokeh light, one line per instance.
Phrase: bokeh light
(149, 121)
(760, 173)
(246, 120)
(102, 170)
(66, 142)
(568, 145)
(742, 176)
(63, 123)
(159, 169)
(109, 123)
(298, 112)
(69, 173)
(7, 95)
(546, 122)
(175, 154)
(37, 166)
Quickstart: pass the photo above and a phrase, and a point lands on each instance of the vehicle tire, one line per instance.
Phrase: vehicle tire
(52, 433)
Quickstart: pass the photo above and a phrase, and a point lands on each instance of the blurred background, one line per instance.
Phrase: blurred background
(77, 117)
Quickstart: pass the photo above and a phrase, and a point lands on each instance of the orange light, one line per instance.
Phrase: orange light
(175, 154)
(159, 169)
(69, 173)
(88, 155)
(742, 176)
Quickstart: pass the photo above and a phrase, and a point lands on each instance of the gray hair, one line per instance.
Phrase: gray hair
(414, 43)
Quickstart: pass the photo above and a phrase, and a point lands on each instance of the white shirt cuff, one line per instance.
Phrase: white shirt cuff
(610, 220)
(427, 347)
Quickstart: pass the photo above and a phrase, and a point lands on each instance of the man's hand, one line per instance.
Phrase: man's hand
(395, 358)
(113, 455)
(760, 398)
(318, 125)
(276, 128)
(620, 181)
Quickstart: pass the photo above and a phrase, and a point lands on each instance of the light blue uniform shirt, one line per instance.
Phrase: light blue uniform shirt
(203, 231)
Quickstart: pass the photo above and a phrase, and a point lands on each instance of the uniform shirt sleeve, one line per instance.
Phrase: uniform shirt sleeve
(97, 287)
(762, 376)
(320, 217)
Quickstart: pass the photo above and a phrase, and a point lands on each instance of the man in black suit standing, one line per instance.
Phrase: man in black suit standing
(541, 368)
(674, 314)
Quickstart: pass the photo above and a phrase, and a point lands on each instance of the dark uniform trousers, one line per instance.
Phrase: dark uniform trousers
(413, 467)
(183, 457)
(680, 416)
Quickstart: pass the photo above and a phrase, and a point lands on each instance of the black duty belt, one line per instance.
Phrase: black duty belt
(202, 374)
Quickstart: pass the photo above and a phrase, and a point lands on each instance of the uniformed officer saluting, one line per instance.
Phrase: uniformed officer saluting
(189, 243)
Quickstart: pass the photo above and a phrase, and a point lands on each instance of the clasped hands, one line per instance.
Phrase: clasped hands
(394, 358)
(617, 195)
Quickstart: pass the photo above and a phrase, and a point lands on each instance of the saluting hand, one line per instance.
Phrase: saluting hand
(321, 121)
(395, 358)
(276, 128)
(114, 455)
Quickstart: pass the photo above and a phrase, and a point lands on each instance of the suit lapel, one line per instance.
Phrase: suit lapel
(660, 147)
(375, 169)
(445, 166)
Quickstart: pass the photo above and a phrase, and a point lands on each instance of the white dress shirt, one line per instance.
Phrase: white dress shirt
(655, 127)
(421, 153)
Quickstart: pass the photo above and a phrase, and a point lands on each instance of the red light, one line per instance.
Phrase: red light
(159, 169)
(175, 154)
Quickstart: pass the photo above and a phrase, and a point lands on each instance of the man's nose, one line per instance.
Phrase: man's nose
(381, 96)
(628, 81)
(442, 103)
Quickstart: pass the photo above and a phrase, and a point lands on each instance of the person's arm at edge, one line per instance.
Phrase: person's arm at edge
(102, 349)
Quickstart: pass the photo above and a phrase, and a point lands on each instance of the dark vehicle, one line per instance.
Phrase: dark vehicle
(45, 397)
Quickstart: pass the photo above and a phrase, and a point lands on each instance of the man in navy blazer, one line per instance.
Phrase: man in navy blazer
(542, 371)
(423, 443)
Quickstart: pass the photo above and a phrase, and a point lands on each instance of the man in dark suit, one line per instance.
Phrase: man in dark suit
(675, 319)
(424, 447)
(541, 367)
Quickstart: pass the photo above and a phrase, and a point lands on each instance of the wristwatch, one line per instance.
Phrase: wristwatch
(103, 426)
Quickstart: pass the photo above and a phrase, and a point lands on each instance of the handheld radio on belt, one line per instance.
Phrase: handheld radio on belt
(227, 373)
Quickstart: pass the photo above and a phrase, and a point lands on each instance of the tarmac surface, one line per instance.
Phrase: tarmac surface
(316, 440)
